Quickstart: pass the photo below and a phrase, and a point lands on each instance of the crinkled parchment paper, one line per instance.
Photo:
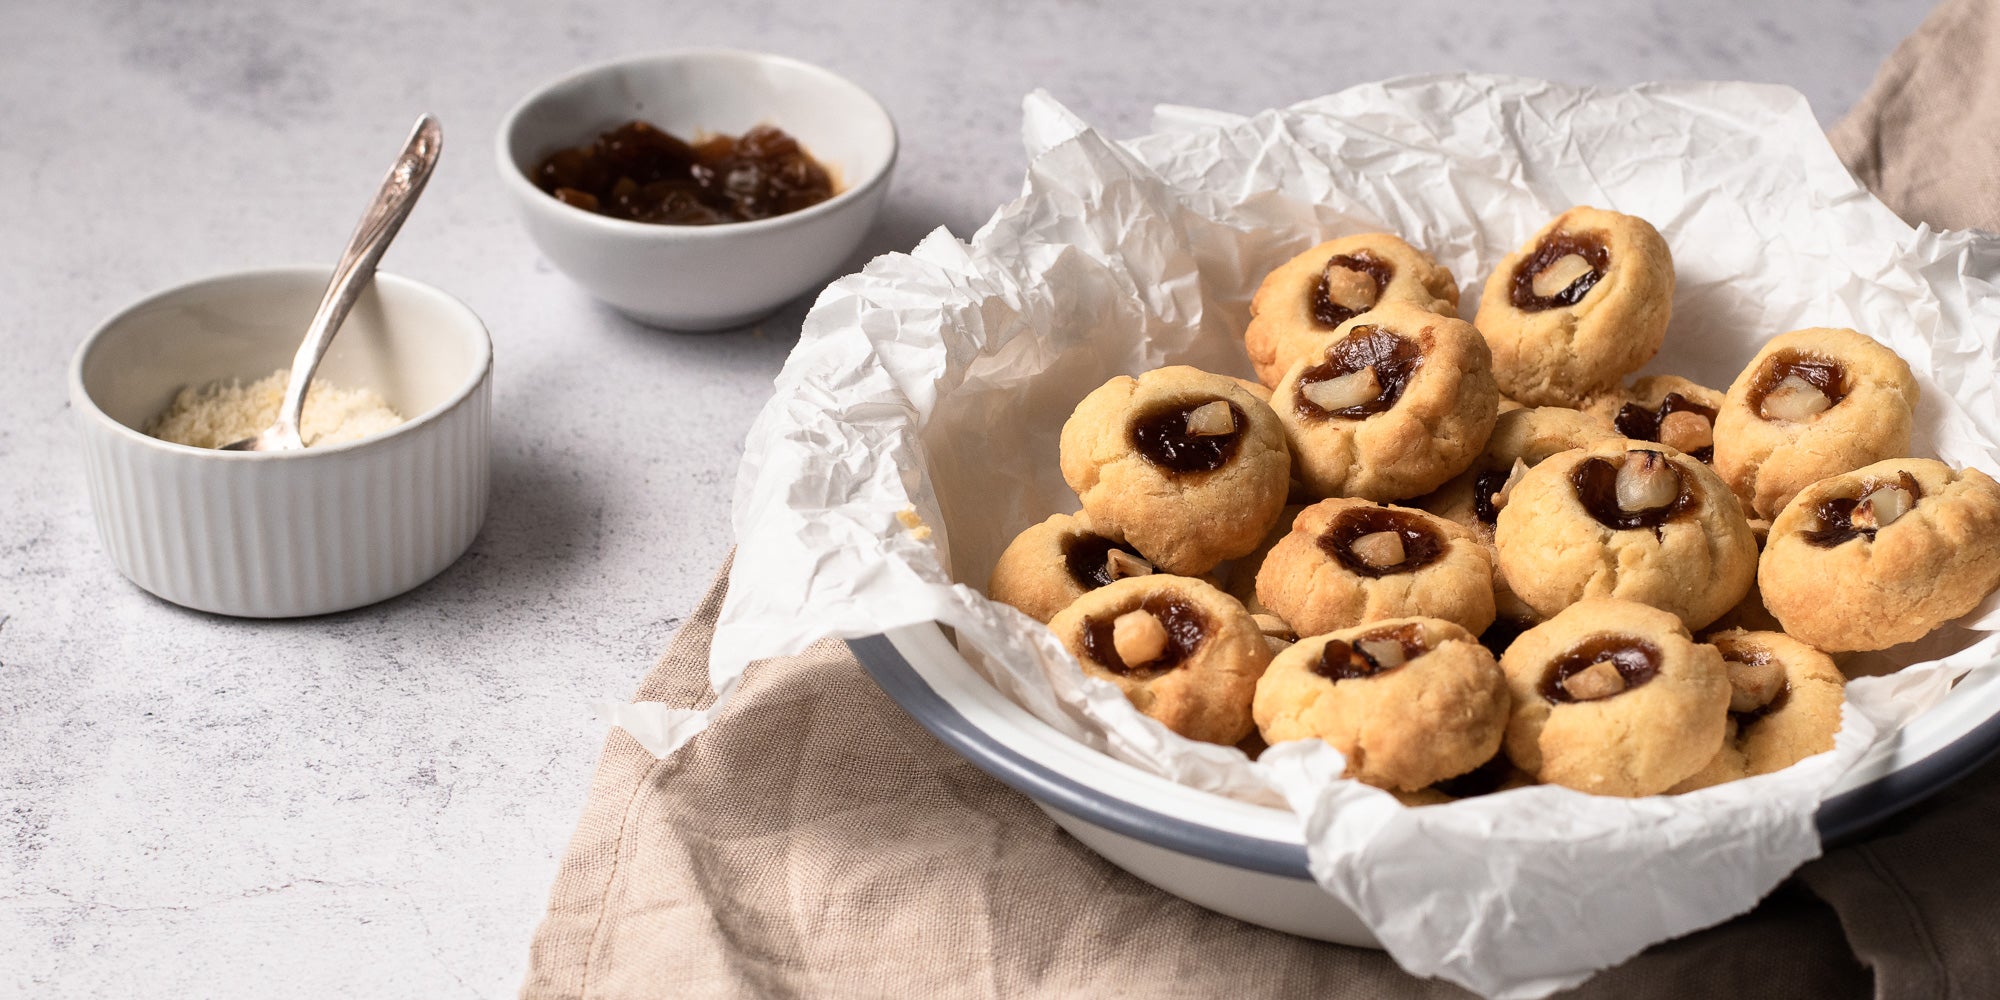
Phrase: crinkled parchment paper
(936, 382)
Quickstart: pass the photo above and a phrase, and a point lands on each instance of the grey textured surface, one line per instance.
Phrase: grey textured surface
(373, 804)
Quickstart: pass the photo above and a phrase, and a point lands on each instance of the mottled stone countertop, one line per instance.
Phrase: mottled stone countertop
(373, 803)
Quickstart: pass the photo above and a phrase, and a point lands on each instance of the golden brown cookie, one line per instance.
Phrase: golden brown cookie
(1526, 436)
(1409, 701)
(1582, 304)
(1189, 467)
(1047, 567)
(1299, 306)
(1626, 519)
(1666, 409)
(1882, 555)
(1614, 698)
(1350, 562)
(1784, 706)
(1400, 401)
(1183, 652)
(1811, 404)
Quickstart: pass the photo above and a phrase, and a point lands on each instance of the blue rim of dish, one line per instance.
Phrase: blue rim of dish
(1840, 818)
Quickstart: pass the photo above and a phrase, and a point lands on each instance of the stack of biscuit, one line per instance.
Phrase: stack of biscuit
(1474, 557)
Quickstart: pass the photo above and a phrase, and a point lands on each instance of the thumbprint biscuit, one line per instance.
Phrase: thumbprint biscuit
(1784, 706)
(1349, 562)
(1521, 439)
(1882, 555)
(1188, 467)
(1182, 651)
(1398, 403)
(1047, 567)
(1665, 409)
(1409, 701)
(1614, 698)
(1301, 304)
(1812, 404)
(1578, 307)
(1631, 520)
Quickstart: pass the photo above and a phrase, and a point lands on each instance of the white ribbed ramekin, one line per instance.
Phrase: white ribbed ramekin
(281, 534)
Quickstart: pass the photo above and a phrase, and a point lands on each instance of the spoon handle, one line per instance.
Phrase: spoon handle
(378, 226)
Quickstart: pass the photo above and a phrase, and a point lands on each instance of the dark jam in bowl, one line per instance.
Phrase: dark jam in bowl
(1636, 660)
(1825, 374)
(1084, 556)
(1833, 519)
(1329, 313)
(1344, 661)
(639, 173)
(1641, 424)
(1394, 358)
(1557, 246)
(1186, 628)
(1162, 438)
(1422, 545)
(1596, 482)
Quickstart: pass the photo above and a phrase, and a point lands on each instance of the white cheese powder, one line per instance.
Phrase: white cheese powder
(221, 413)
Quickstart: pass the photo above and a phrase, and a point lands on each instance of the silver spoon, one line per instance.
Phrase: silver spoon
(378, 226)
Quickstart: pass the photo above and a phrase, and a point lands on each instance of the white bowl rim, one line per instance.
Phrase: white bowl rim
(854, 190)
(84, 404)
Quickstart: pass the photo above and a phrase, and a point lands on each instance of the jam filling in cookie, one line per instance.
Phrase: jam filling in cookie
(1370, 654)
(1599, 668)
(1794, 386)
(1644, 491)
(1560, 272)
(1197, 437)
(1840, 519)
(1095, 561)
(1679, 423)
(1364, 374)
(1162, 633)
(1757, 685)
(1350, 285)
(1378, 541)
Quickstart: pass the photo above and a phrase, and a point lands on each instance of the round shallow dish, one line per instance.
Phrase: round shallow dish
(702, 277)
(1248, 861)
(281, 534)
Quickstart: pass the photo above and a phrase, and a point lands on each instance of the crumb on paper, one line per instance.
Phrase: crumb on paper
(914, 524)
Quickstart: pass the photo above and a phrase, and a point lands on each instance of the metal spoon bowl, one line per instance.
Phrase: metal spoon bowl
(356, 268)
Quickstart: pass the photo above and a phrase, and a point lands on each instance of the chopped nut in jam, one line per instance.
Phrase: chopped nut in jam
(1643, 490)
(1678, 422)
(1119, 564)
(1599, 680)
(1350, 285)
(1089, 559)
(1419, 542)
(1349, 390)
(1166, 439)
(1380, 549)
(1794, 399)
(1753, 683)
(1633, 661)
(1880, 503)
(1687, 431)
(1139, 637)
(1880, 507)
(1370, 654)
(1387, 653)
(1390, 360)
(1497, 499)
(1537, 271)
(1795, 387)
(1184, 625)
(1558, 276)
(1211, 419)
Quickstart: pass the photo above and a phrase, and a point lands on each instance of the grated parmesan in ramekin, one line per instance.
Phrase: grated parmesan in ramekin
(221, 413)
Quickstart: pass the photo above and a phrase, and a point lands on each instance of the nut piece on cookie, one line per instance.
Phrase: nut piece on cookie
(1666, 409)
(1301, 304)
(1557, 344)
(1614, 698)
(1349, 562)
(1882, 555)
(1784, 706)
(1811, 404)
(1409, 701)
(1188, 467)
(1400, 401)
(1631, 520)
(1182, 651)
(1047, 567)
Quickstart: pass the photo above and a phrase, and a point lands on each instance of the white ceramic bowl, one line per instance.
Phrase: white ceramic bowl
(702, 277)
(279, 534)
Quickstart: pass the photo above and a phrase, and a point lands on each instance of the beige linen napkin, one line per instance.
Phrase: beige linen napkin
(817, 842)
